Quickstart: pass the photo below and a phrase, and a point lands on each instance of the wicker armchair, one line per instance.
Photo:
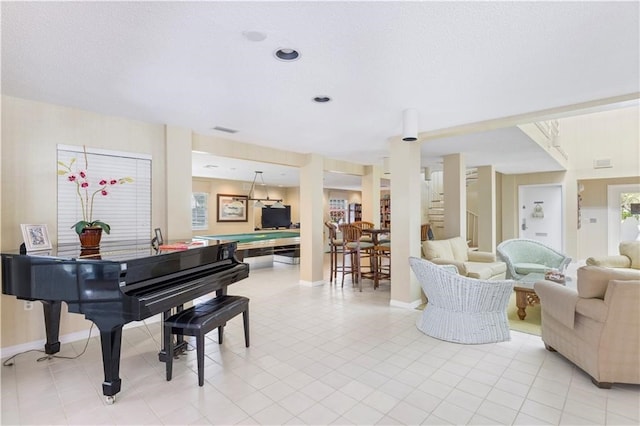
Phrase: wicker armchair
(462, 309)
(524, 256)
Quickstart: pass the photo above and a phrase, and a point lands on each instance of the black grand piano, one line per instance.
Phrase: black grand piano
(119, 284)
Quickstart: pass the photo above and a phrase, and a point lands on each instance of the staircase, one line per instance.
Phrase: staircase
(437, 210)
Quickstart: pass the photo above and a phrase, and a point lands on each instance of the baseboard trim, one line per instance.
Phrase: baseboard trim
(312, 283)
(405, 305)
(68, 338)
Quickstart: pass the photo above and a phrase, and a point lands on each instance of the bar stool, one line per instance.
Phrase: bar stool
(335, 247)
(382, 270)
(356, 250)
(362, 224)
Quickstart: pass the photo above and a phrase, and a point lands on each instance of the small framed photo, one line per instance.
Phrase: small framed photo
(159, 238)
(232, 208)
(36, 237)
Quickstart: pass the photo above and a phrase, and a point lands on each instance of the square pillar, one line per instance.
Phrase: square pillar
(311, 221)
(455, 196)
(405, 222)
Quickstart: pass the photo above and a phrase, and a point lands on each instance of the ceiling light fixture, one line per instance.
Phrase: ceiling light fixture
(259, 201)
(410, 125)
(287, 54)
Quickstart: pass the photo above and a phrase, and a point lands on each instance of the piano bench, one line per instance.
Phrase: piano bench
(201, 319)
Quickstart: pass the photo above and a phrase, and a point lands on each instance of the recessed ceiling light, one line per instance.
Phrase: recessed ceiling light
(287, 54)
(321, 99)
(254, 35)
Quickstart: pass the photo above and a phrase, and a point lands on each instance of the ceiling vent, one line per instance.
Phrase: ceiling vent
(224, 129)
(602, 163)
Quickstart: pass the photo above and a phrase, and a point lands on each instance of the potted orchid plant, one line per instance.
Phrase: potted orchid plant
(87, 193)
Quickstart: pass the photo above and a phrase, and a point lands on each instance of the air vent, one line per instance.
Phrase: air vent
(224, 129)
(602, 163)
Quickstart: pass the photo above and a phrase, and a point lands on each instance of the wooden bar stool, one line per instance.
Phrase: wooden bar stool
(356, 250)
(335, 247)
(382, 263)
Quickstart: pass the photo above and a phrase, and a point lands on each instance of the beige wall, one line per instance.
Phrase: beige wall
(612, 135)
(30, 134)
(289, 196)
(593, 233)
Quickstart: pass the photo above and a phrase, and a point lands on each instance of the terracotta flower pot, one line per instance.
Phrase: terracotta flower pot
(90, 238)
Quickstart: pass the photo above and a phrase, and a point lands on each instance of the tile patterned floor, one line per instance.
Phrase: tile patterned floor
(322, 355)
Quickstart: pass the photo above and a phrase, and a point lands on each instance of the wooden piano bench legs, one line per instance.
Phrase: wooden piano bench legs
(201, 319)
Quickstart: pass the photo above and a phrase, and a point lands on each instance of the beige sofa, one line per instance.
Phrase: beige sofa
(629, 257)
(472, 264)
(596, 327)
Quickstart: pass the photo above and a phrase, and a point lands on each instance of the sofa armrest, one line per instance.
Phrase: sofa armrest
(481, 256)
(616, 261)
(557, 301)
(462, 269)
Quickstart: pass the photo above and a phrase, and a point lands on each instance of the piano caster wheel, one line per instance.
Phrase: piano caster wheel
(110, 399)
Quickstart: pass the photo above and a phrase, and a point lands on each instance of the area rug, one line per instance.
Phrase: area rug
(531, 323)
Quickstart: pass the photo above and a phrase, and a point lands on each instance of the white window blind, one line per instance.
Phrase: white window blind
(199, 211)
(126, 207)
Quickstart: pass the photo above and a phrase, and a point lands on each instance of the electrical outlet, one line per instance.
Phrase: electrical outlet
(28, 305)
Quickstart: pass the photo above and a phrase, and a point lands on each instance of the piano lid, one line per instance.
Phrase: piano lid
(118, 251)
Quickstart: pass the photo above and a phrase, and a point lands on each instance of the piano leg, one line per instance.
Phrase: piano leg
(51, 312)
(111, 339)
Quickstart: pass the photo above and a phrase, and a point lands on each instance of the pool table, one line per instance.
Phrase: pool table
(261, 249)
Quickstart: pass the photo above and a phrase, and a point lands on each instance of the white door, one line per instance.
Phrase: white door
(541, 214)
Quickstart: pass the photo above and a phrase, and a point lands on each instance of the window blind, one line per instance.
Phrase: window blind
(126, 207)
(199, 211)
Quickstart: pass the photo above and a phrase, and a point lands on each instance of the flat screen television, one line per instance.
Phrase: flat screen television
(276, 218)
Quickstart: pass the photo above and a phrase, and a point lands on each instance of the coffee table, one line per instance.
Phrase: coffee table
(525, 294)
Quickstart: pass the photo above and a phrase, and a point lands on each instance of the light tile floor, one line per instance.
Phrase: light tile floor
(322, 355)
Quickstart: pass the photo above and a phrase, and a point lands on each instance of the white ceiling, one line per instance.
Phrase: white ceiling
(188, 64)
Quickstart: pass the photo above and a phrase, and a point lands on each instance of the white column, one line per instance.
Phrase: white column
(486, 208)
(371, 195)
(405, 222)
(455, 196)
(178, 183)
(311, 221)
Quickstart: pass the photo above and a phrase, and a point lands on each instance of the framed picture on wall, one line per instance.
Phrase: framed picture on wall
(36, 237)
(232, 208)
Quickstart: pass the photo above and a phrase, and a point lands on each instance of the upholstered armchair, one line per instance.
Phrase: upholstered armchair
(597, 326)
(462, 309)
(524, 257)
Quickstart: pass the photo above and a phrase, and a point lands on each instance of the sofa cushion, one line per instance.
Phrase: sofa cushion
(485, 271)
(481, 256)
(434, 249)
(594, 280)
(617, 261)
(459, 248)
(631, 249)
(524, 268)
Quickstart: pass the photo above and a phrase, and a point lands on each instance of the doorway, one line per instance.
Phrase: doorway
(621, 225)
(541, 214)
